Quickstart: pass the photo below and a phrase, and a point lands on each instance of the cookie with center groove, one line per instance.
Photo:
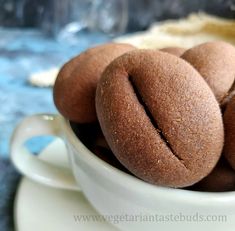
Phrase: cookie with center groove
(215, 61)
(75, 85)
(160, 118)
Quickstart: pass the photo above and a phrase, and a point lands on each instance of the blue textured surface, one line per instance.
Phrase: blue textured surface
(22, 53)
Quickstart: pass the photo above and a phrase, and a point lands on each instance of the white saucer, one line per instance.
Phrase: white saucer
(40, 208)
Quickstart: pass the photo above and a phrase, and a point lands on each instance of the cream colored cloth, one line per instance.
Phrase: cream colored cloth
(188, 32)
(44, 78)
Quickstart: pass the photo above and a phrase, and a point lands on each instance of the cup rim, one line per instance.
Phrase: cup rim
(138, 185)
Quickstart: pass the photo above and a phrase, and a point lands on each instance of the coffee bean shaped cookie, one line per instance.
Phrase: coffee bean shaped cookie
(160, 118)
(229, 129)
(177, 51)
(75, 86)
(215, 62)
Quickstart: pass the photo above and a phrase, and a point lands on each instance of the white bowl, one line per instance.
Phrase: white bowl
(124, 200)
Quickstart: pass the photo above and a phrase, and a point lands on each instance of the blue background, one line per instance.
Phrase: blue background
(23, 52)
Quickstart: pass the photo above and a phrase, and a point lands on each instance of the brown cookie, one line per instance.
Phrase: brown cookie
(177, 51)
(229, 129)
(221, 179)
(160, 118)
(74, 90)
(215, 62)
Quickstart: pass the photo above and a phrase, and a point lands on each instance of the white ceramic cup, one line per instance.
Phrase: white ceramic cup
(127, 202)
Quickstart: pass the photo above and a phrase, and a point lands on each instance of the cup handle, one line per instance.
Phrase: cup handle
(29, 164)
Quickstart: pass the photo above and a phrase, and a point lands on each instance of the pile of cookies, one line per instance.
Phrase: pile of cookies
(166, 116)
